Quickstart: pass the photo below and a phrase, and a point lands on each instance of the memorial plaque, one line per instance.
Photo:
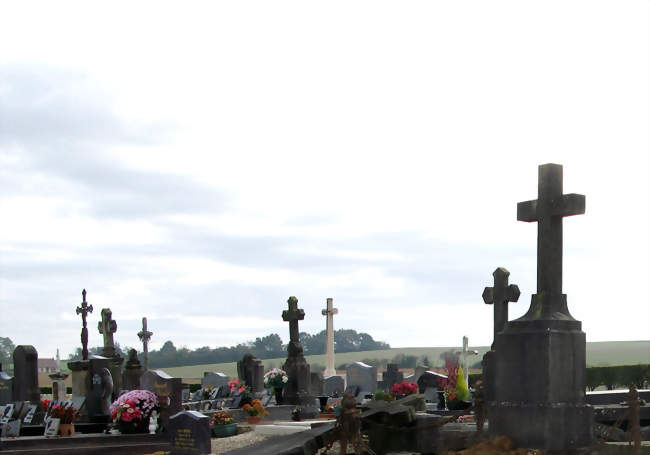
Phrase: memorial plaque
(52, 428)
(189, 433)
(31, 411)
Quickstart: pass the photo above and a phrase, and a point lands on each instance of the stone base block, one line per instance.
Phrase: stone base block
(549, 427)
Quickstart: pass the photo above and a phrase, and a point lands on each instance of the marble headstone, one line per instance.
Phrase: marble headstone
(317, 384)
(168, 390)
(392, 376)
(6, 388)
(215, 380)
(334, 385)
(251, 370)
(362, 375)
(26, 374)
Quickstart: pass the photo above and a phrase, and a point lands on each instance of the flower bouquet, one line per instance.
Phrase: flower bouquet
(404, 388)
(458, 397)
(276, 379)
(380, 395)
(67, 417)
(132, 410)
(255, 411)
(223, 425)
(238, 387)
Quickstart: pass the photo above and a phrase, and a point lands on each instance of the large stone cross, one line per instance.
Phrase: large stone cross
(145, 336)
(293, 315)
(107, 327)
(329, 312)
(548, 210)
(500, 295)
(83, 310)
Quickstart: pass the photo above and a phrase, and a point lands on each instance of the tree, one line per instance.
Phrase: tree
(7, 354)
(268, 347)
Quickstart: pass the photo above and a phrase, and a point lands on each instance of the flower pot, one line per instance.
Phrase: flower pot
(253, 420)
(66, 429)
(457, 405)
(279, 399)
(223, 431)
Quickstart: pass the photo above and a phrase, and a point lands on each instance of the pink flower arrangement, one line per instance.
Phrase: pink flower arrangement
(237, 386)
(405, 388)
(139, 405)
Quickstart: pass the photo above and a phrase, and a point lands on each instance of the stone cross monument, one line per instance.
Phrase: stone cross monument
(297, 388)
(145, 336)
(499, 295)
(540, 358)
(329, 312)
(107, 327)
(83, 310)
(463, 358)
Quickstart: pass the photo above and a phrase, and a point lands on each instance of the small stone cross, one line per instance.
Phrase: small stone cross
(145, 336)
(107, 327)
(500, 295)
(293, 315)
(548, 210)
(83, 310)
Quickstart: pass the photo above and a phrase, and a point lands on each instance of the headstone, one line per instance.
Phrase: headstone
(499, 295)
(251, 370)
(189, 432)
(185, 395)
(132, 372)
(216, 379)
(145, 336)
(6, 388)
(26, 375)
(7, 413)
(296, 390)
(31, 412)
(430, 380)
(11, 429)
(392, 376)
(99, 396)
(52, 428)
(334, 385)
(541, 361)
(168, 391)
(317, 384)
(362, 375)
(329, 313)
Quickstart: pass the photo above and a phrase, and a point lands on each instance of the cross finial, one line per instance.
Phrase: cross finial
(548, 210)
(500, 295)
(83, 310)
(145, 336)
(107, 327)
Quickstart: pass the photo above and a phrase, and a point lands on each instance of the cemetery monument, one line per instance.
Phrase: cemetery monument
(329, 313)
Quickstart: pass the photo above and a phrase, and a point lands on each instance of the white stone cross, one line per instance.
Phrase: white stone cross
(329, 312)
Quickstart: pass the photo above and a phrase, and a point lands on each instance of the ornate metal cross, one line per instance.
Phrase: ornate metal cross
(548, 210)
(145, 336)
(293, 315)
(83, 310)
(107, 327)
(500, 295)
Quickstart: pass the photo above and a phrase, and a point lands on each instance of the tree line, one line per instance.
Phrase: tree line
(267, 347)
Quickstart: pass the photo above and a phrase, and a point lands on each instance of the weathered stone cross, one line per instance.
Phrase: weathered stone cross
(329, 312)
(145, 336)
(107, 327)
(500, 295)
(548, 210)
(83, 310)
(293, 315)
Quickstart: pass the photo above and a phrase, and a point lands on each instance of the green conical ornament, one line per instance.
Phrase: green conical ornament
(462, 392)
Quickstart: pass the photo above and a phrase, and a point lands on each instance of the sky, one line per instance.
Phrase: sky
(199, 163)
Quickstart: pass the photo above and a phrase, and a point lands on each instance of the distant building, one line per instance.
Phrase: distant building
(47, 365)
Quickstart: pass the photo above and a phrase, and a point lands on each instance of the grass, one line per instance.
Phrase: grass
(607, 353)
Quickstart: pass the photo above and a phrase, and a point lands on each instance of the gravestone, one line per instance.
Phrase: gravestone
(334, 385)
(329, 313)
(107, 327)
(145, 336)
(100, 392)
(363, 376)
(185, 395)
(391, 376)
(190, 434)
(541, 360)
(499, 295)
(26, 375)
(317, 384)
(11, 429)
(430, 380)
(6, 388)
(251, 370)
(216, 380)
(296, 390)
(132, 372)
(167, 389)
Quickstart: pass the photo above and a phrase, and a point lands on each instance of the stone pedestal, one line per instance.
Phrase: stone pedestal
(91, 380)
(132, 372)
(59, 388)
(540, 399)
(297, 389)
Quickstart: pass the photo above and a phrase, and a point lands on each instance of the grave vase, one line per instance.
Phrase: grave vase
(223, 431)
(253, 420)
(66, 429)
(279, 399)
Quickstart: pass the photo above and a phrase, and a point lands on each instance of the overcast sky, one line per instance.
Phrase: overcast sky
(199, 163)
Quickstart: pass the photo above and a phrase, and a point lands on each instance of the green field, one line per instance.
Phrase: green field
(606, 353)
